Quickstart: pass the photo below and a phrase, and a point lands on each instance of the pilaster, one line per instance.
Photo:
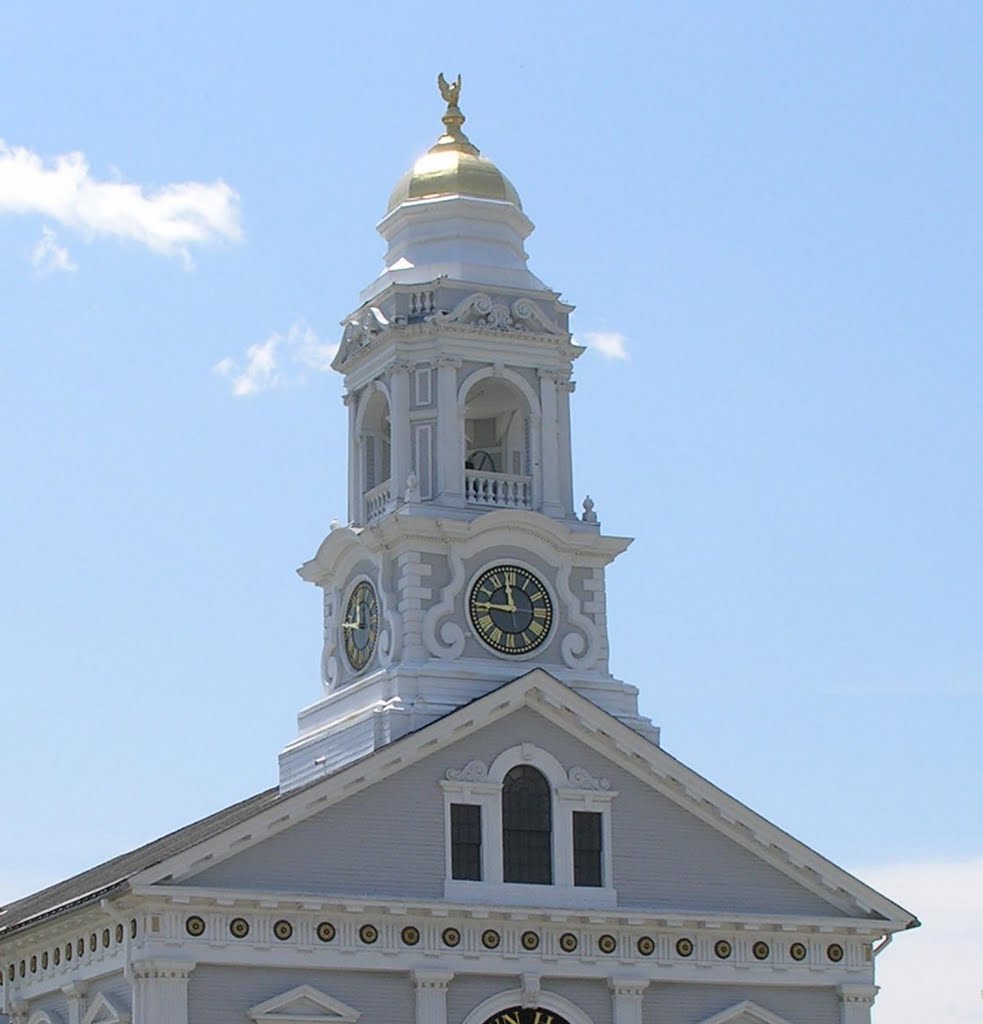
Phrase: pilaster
(550, 454)
(565, 389)
(354, 498)
(626, 999)
(431, 996)
(160, 991)
(856, 1002)
(75, 996)
(399, 418)
(450, 455)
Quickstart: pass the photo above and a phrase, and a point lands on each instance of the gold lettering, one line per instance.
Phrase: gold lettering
(496, 635)
(536, 628)
(546, 1018)
(510, 640)
(538, 596)
(511, 578)
(540, 613)
(507, 1018)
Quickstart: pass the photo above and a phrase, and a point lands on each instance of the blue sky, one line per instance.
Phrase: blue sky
(769, 218)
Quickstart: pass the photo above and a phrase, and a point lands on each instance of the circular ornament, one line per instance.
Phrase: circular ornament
(133, 928)
(105, 938)
(451, 937)
(93, 942)
(239, 927)
(44, 960)
(23, 968)
(646, 945)
(34, 964)
(410, 935)
(760, 950)
(326, 931)
(510, 609)
(119, 933)
(360, 630)
(530, 941)
(568, 942)
(607, 943)
(684, 947)
(194, 926)
(283, 929)
(490, 938)
(57, 955)
(80, 946)
(835, 952)
(723, 948)
(368, 933)
(68, 951)
(797, 951)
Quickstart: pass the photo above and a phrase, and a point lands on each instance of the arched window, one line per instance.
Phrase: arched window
(527, 827)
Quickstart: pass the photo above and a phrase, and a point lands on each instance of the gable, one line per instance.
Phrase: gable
(304, 1004)
(389, 839)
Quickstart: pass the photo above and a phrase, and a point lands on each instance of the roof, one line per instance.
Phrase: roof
(100, 880)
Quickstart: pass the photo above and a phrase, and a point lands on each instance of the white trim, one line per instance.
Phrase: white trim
(480, 785)
(277, 1009)
(102, 1011)
(745, 1012)
(43, 1017)
(545, 1000)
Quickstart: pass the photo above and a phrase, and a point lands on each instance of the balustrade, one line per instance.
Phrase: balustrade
(500, 490)
(377, 500)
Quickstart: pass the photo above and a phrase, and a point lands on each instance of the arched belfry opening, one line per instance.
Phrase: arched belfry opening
(373, 455)
(498, 444)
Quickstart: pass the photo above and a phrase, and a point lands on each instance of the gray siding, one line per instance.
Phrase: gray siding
(690, 1004)
(222, 995)
(389, 840)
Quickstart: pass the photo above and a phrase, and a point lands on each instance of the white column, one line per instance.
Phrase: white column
(566, 389)
(399, 427)
(856, 1002)
(431, 996)
(160, 991)
(75, 994)
(550, 449)
(450, 440)
(626, 999)
(354, 496)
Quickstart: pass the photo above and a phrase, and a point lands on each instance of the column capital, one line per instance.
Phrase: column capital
(449, 361)
(628, 986)
(531, 988)
(424, 979)
(349, 398)
(402, 366)
(863, 995)
(159, 968)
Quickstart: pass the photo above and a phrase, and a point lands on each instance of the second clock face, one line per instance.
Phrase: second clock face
(361, 625)
(510, 609)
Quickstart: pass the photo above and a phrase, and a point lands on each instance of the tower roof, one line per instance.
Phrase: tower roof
(453, 166)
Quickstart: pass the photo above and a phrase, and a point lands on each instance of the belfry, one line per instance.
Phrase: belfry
(473, 823)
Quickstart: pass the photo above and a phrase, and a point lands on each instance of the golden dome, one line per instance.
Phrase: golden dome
(453, 166)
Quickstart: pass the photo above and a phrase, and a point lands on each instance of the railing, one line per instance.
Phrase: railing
(377, 500)
(500, 490)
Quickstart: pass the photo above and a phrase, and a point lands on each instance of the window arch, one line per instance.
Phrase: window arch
(527, 827)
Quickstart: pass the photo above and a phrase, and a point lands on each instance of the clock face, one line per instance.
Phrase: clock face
(361, 625)
(510, 609)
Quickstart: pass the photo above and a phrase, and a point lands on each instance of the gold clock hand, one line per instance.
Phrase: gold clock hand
(508, 593)
(484, 606)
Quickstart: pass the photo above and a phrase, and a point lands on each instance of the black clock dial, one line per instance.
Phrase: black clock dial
(510, 609)
(361, 626)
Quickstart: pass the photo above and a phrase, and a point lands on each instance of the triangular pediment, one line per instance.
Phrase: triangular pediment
(579, 718)
(303, 1005)
(745, 1012)
(102, 1011)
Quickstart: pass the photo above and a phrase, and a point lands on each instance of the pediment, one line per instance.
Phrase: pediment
(102, 1011)
(303, 1005)
(745, 1012)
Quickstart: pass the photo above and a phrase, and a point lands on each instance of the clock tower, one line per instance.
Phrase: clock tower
(464, 563)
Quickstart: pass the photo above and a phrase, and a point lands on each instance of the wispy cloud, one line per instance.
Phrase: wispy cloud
(932, 974)
(278, 361)
(610, 344)
(48, 256)
(168, 219)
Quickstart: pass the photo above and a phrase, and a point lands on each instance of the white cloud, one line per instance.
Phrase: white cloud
(278, 361)
(933, 973)
(610, 344)
(47, 256)
(167, 219)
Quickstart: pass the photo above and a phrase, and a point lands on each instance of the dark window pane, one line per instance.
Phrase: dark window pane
(527, 827)
(466, 841)
(586, 848)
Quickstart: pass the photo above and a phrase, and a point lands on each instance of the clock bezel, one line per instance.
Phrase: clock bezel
(537, 574)
(374, 639)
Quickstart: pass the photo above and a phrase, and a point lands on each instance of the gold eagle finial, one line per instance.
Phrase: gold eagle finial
(450, 91)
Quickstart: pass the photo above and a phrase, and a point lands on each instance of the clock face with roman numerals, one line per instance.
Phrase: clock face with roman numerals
(510, 609)
(361, 626)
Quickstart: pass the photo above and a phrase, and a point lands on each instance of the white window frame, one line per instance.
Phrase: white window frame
(482, 785)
